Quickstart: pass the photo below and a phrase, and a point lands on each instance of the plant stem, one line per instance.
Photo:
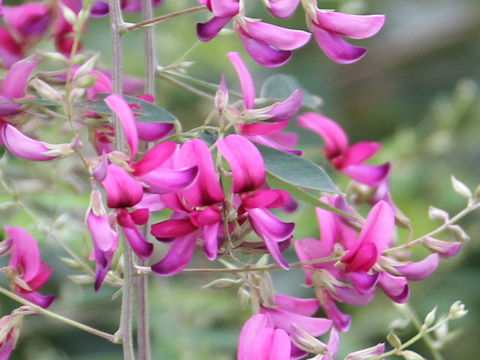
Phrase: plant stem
(38, 309)
(471, 207)
(161, 18)
(126, 317)
(296, 265)
(143, 326)
(185, 86)
(427, 338)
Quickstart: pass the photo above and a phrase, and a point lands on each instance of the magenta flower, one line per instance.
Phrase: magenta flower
(30, 149)
(259, 341)
(196, 211)
(248, 173)
(282, 9)
(13, 86)
(122, 189)
(105, 243)
(28, 272)
(347, 160)
(268, 44)
(328, 27)
(266, 132)
(10, 331)
(269, 333)
(101, 8)
(128, 222)
(376, 234)
(28, 20)
(11, 50)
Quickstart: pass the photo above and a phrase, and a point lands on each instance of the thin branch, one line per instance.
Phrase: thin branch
(39, 309)
(296, 265)
(161, 18)
(126, 316)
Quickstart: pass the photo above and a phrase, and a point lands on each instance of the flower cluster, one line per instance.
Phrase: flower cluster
(222, 190)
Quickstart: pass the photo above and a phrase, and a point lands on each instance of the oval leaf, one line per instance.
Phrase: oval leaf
(295, 170)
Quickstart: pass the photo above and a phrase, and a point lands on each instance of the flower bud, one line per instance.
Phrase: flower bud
(458, 233)
(460, 188)
(443, 248)
(394, 340)
(437, 214)
(430, 318)
(222, 283)
(457, 310)
(306, 342)
(68, 14)
(46, 91)
(86, 68)
(243, 297)
(411, 355)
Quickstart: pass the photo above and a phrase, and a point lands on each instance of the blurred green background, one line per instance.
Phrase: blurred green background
(416, 91)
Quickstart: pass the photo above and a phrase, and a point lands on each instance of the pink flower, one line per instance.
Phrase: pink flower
(329, 26)
(101, 8)
(269, 333)
(268, 44)
(196, 212)
(30, 149)
(266, 132)
(14, 85)
(347, 160)
(105, 243)
(28, 20)
(259, 341)
(29, 273)
(248, 172)
(376, 234)
(282, 9)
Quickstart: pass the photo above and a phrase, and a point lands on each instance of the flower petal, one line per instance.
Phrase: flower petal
(23, 146)
(245, 161)
(276, 36)
(122, 189)
(178, 256)
(282, 9)
(421, 269)
(262, 53)
(246, 81)
(337, 48)
(336, 141)
(139, 245)
(206, 190)
(120, 107)
(15, 82)
(207, 31)
(272, 231)
(349, 25)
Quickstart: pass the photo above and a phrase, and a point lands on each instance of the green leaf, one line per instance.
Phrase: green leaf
(302, 195)
(295, 170)
(281, 86)
(149, 112)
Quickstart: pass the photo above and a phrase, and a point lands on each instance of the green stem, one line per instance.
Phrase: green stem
(161, 18)
(38, 309)
(126, 317)
(185, 86)
(143, 325)
(428, 339)
(453, 220)
(296, 265)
